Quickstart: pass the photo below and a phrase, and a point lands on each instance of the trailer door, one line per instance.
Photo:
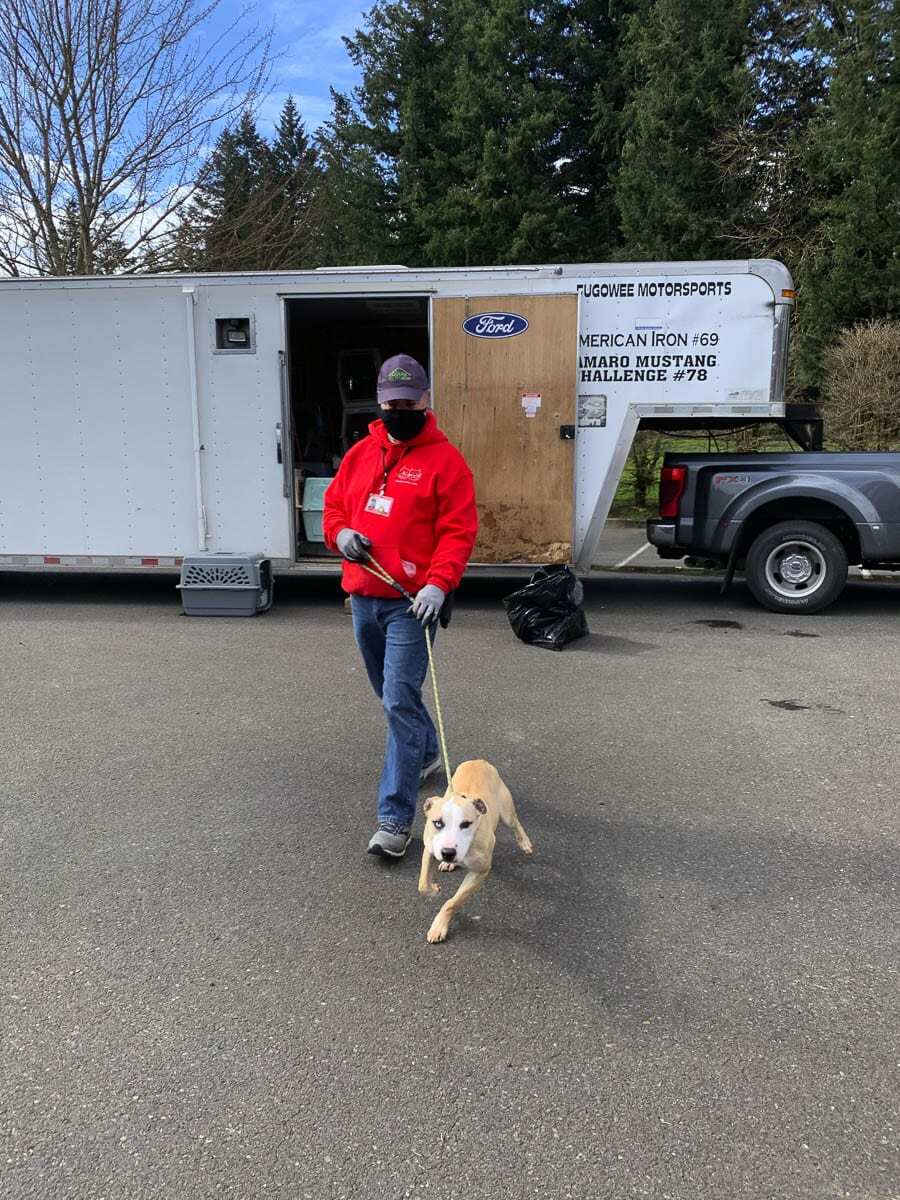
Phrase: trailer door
(504, 378)
(246, 448)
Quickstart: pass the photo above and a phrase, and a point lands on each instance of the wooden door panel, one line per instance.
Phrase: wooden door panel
(523, 471)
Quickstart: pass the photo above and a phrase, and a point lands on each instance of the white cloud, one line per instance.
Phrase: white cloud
(310, 56)
(325, 20)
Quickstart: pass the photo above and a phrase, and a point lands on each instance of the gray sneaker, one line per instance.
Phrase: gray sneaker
(430, 768)
(388, 843)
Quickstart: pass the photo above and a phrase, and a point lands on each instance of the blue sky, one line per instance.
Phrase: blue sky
(311, 55)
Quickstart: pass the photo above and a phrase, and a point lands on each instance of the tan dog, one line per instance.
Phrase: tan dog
(460, 829)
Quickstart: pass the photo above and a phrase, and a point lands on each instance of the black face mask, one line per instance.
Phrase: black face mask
(404, 425)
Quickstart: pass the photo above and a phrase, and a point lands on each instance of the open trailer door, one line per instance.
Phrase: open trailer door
(504, 379)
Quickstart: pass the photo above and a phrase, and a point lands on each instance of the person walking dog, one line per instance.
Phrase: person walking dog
(405, 495)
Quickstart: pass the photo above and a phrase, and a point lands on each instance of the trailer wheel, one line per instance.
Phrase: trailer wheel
(796, 567)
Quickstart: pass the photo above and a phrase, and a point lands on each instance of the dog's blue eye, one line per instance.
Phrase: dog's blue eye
(464, 824)
(438, 823)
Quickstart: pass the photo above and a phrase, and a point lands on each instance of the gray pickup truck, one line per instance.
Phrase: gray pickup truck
(792, 522)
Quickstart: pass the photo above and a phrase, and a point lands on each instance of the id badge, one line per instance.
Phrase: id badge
(379, 505)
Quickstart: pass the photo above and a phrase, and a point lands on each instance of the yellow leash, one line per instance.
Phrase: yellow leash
(379, 572)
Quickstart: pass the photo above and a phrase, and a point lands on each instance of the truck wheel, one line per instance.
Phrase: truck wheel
(796, 567)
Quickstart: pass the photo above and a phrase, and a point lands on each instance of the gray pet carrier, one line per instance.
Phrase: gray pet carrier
(226, 585)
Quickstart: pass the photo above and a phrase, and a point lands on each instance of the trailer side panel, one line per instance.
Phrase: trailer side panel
(96, 453)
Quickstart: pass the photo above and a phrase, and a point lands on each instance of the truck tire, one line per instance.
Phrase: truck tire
(796, 567)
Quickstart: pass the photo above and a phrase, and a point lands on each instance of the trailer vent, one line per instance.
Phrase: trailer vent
(234, 335)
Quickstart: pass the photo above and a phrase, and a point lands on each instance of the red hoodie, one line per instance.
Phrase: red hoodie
(428, 535)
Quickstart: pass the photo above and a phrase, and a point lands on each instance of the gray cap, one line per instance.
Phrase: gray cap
(401, 378)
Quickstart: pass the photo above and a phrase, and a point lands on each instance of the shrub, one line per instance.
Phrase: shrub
(861, 387)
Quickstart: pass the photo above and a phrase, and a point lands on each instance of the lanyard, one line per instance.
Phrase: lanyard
(386, 470)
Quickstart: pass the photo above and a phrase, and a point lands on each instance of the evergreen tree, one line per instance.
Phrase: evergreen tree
(293, 155)
(593, 44)
(355, 209)
(256, 205)
(765, 151)
(689, 63)
(497, 195)
(496, 130)
(401, 110)
(224, 226)
(851, 268)
(464, 107)
(296, 177)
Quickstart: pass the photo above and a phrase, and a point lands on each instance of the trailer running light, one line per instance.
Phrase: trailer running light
(788, 294)
(671, 489)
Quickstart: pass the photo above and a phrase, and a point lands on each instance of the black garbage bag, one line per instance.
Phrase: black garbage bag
(547, 611)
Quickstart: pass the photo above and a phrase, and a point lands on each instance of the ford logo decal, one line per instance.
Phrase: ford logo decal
(495, 325)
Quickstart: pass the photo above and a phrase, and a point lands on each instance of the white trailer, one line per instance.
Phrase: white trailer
(149, 417)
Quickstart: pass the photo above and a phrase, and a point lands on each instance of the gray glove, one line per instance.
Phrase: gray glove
(352, 545)
(428, 603)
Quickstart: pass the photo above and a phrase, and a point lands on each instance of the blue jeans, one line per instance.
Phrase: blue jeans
(393, 647)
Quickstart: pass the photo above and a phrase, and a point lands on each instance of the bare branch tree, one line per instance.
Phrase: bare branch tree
(107, 108)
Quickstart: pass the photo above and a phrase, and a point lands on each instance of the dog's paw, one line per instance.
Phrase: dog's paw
(447, 866)
(431, 890)
(525, 845)
(438, 931)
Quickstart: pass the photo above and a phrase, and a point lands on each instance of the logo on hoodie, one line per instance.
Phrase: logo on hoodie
(495, 325)
(409, 474)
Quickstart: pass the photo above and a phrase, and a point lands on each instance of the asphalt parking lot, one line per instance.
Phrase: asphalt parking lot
(209, 990)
